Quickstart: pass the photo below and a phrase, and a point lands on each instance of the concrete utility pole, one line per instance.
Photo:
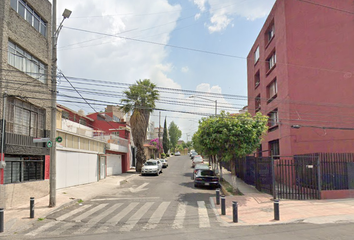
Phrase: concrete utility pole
(53, 127)
(52, 177)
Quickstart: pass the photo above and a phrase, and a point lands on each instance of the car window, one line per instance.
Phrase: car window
(150, 163)
(207, 173)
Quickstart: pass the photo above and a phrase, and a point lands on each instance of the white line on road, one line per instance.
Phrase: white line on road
(157, 215)
(115, 219)
(133, 220)
(203, 215)
(179, 219)
(89, 212)
(42, 228)
(69, 214)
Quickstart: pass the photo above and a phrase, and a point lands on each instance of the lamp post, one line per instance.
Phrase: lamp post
(216, 102)
(55, 33)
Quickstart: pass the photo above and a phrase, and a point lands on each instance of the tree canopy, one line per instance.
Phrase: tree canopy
(229, 136)
(165, 140)
(174, 133)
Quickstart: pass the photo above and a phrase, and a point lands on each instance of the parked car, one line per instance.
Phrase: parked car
(192, 151)
(164, 163)
(206, 178)
(199, 167)
(152, 166)
(196, 160)
(193, 154)
(177, 154)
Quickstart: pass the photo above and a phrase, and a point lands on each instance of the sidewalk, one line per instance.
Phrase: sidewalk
(17, 219)
(256, 208)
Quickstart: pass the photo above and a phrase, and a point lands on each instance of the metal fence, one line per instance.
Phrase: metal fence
(300, 176)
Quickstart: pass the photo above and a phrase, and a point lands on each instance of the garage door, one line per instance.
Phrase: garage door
(75, 168)
(114, 165)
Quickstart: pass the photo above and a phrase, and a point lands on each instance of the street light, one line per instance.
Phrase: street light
(216, 102)
(55, 33)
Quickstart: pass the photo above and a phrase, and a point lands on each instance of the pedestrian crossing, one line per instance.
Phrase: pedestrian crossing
(95, 217)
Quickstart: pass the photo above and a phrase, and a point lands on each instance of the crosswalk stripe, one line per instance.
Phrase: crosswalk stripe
(179, 219)
(69, 214)
(62, 228)
(157, 215)
(97, 218)
(203, 215)
(133, 220)
(41, 228)
(115, 219)
(89, 212)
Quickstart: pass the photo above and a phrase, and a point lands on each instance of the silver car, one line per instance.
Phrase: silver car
(151, 167)
(164, 163)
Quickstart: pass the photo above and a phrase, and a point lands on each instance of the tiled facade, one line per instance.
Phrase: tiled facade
(25, 54)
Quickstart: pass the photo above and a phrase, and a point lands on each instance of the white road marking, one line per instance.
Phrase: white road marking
(41, 228)
(133, 220)
(179, 219)
(115, 219)
(131, 198)
(157, 215)
(89, 212)
(62, 228)
(69, 214)
(203, 215)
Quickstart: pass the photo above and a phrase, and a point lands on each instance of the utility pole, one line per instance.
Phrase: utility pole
(53, 175)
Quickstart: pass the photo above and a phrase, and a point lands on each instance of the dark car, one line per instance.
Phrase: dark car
(206, 178)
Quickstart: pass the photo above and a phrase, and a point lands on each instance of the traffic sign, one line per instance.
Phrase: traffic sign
(49, 144)
(59, 139)
(40, 140)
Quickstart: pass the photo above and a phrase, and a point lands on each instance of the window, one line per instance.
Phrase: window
(23, 169)
(257, 79)
(273, 118)
(271, 61)
(83, 121)
(258, 103)
(25, 62)
(24, 118)
(25, 11)
(256, 55)
(64, 115)
(270, 33)
(272, 90)
(274, 147)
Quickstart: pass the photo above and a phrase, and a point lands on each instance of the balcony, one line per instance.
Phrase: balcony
(114, 143)
(77, 128)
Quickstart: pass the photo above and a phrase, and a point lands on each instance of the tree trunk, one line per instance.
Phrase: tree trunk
(140, 157)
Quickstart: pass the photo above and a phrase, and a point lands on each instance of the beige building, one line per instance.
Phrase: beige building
(25, 89)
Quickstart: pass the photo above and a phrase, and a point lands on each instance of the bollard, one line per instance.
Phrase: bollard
(1, 219)
(234, 212)
(223, 207)
(276, 209)
(32, 207)
(218, 196)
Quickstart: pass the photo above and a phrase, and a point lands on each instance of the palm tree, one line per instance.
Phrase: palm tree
(140, 99)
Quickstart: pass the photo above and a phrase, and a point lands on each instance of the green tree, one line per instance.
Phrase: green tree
(165, 140)
(174, 133)
(228, 136)
(140, 100)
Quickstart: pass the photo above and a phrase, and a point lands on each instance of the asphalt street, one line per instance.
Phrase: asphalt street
(167, 206)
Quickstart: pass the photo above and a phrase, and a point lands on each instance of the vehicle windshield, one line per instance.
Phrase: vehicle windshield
(198, 158)
(150, 163)
(207, 173)
(201, 166)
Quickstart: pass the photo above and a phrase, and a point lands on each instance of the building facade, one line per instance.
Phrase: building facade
(25, 85)
(300, 74)
(80, 155)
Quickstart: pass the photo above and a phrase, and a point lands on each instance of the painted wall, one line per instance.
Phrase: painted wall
(314, 51)
(114, 164)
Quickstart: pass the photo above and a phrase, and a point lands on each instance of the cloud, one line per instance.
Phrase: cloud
(197, 16)
(184, 69)
(222, 12)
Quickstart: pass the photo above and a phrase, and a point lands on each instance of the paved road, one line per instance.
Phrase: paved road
(168, 201)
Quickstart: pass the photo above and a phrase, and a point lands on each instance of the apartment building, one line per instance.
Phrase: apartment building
(300, 74)
(25, 86)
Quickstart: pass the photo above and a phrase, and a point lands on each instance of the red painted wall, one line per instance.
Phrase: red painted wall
(314, 50)
(2, 157)
(47, 167)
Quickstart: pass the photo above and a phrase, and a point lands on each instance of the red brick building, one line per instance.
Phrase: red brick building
(300, 74)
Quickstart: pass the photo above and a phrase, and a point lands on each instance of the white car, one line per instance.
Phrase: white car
(196, 160)
(164, 163)
(151, 167)
(177, 154)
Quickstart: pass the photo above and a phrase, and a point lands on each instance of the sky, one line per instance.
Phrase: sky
(181, 46)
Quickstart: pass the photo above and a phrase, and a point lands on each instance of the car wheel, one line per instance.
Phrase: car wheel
(195, 185)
